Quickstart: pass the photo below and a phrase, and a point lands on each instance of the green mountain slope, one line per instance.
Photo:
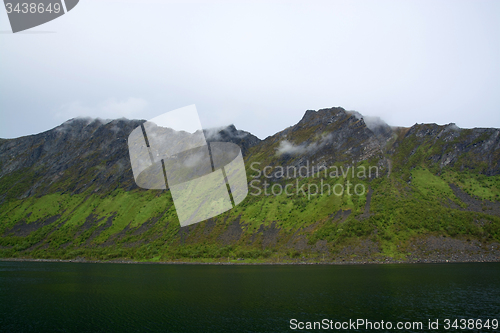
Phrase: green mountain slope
(333, 187)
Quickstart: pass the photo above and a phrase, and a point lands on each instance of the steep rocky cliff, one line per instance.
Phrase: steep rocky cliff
(475, 149)
(81, 154)
(69, 192)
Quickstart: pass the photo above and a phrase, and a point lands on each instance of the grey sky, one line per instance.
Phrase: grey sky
(257, 64)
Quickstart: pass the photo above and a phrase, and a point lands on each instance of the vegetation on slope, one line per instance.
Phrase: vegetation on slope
(142, 225)
(433, 182)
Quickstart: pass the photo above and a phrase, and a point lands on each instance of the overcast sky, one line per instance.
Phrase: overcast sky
(257, 64)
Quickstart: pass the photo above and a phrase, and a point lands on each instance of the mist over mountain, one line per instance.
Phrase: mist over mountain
(80, 154)
(69, 192)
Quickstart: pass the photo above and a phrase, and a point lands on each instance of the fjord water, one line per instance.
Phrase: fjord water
(88, 297)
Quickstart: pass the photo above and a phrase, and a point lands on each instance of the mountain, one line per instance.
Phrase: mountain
(336, 186)
(81, 155)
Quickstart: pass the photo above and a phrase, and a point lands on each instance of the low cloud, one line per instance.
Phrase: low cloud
(68, 125)
(214, 133)
(111, 108)
(286, 147)
(452, 127)
(373, 123)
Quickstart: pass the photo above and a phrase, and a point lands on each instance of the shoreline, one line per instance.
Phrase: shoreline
(384, 262)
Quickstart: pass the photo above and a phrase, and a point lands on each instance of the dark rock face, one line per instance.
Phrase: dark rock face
(83, 154)
(78, 155)
(70, 158)
(335, 135)
(326, 137)
(345, 136)
(91, 156)
(243, 139)
(450, 146)
(24, 229)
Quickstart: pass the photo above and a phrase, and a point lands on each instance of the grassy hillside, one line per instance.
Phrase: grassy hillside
(142, 225)
(69, 193)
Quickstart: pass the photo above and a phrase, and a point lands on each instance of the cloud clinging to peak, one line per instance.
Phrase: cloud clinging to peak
(108, 109)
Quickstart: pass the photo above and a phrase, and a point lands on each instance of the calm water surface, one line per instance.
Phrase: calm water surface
(83, 297)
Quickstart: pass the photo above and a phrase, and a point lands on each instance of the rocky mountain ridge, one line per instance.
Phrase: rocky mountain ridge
(79, 154)
(69, 192)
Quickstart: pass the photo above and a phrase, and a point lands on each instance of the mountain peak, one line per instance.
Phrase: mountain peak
(230, 133)
(312, 117)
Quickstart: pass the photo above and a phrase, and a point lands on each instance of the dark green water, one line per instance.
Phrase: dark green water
(79, 297)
